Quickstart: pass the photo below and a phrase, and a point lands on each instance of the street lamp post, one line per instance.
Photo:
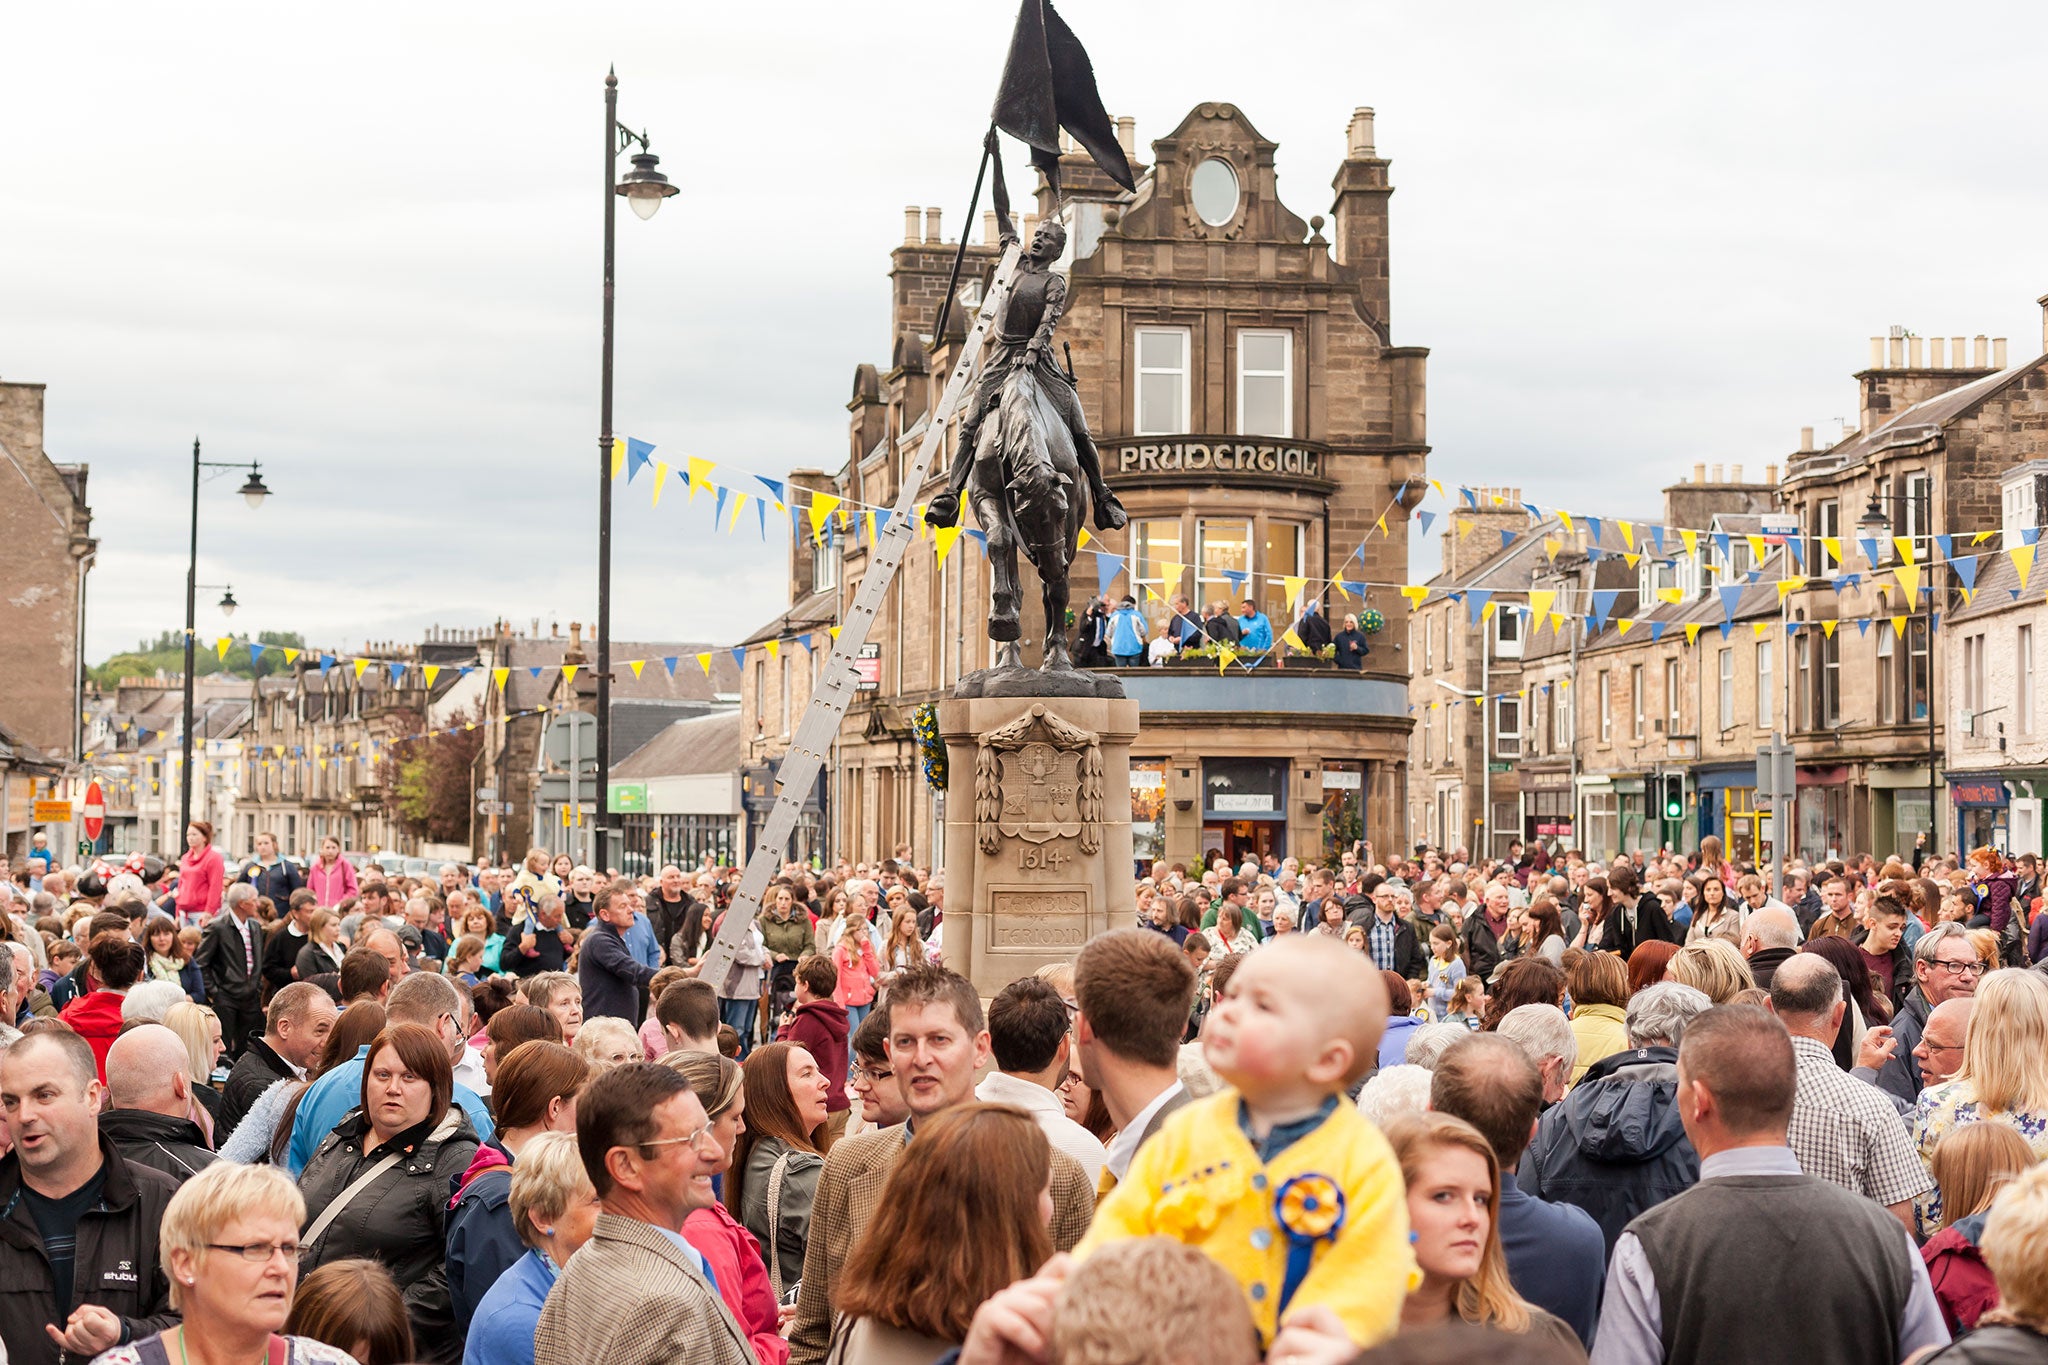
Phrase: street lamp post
(1871, 524)
(253, 492)
(644, 188)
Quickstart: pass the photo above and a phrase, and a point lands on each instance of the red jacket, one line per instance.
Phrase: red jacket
(97, 1017)
(820, 1027)
(1963, 1285)
(735, 1258)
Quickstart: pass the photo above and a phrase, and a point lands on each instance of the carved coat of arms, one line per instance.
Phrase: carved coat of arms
(1038, 778)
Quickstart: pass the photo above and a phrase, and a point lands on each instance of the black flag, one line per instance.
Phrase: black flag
(1048, 84)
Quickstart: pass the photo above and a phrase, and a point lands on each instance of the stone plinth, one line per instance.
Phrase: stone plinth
(1038, 830)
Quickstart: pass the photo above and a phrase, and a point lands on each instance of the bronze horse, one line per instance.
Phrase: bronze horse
(1026, 489)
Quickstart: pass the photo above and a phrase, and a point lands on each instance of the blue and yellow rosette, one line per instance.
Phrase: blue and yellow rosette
(1310, 1210)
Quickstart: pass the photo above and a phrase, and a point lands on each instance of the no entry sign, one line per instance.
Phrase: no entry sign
(95, 811)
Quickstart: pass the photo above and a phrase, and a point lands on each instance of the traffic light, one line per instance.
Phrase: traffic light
(1674, 797)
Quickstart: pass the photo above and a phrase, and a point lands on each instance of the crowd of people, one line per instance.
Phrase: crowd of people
(1383, 1108)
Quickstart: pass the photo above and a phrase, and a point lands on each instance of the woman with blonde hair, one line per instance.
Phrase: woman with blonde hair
(1971, 1165)
(2003, 1078)
(1712, 965)
(904, 948)
(229, 1244)
(1453, 1181)
(965, 1214)
(199, 1026)
(2016, 1249)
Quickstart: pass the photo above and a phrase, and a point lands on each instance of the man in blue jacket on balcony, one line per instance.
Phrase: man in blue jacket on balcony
(1127, 632)
(1254, 631)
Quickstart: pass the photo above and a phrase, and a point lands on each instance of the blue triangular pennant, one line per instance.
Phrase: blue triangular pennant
(636, 456)
(1603, 603)
(1721, 543)
(805, 640)
(1966, 571)
(326, 662)
(255, 651)
(534, 671)
(1657, 538)
(739, 656)
(1507, 537)
(1729, 597)
(1947, 545)
(1352, 586)
(668, 661)
(2030, 534)
(718, 509)
(1863, 626)
(1593, 525)
(1237, 579)
(1471, 498)
(397, 668)
(1869, 544)
(774, 487)
(1425, 520)
(1797, 547)
(1656, 631)
(1107, 567)
(1726, 626)
(1475, 603)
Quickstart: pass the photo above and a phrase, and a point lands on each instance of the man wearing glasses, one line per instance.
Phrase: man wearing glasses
(1945, 967)
(637, 1293)
(69, 1193)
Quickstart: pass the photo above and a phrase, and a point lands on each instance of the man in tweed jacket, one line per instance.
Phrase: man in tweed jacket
(637, 1293)
(938, 1039)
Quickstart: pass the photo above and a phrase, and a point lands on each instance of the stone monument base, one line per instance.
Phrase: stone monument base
(1038, 830)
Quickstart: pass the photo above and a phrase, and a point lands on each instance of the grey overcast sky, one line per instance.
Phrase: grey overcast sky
(361, 244)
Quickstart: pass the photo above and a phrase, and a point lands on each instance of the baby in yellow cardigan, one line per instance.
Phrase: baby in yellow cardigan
(1280, 1179)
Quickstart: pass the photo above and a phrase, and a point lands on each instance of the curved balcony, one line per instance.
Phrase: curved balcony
(1295, 690)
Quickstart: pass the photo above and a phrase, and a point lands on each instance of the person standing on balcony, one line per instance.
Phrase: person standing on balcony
(1254, 631)
(1219, 626)
(1127, 635)
(1351, 645)
(1184, 627)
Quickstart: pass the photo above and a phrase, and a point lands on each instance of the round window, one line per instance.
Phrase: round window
(1214, 189)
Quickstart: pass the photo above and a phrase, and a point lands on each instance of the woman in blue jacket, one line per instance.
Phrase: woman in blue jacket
(1127, 633)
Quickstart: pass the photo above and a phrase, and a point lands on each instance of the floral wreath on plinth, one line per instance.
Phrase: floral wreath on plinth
(924, 724)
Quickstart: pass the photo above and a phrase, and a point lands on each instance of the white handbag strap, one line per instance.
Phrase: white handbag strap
(775, 1223)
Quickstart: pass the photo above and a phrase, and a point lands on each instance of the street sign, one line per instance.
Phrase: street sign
(95, 811)
(486, 793)
(493, 807)
(51, 813)
(572, 735)
(629, 797)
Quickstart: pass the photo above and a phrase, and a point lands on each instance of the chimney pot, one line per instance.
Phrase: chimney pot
(912, 232)
(1699, 473)
(1918, 346)
(1805, 439)
(1717, 473)
(1127, 135)
(1937, 352)
(934, 225)
(1877, 353)
(1898, 353)
(990, 233)
(1359, 135)
(1735, 473)
(1956, 355)
(1979, 350)
(1998, 353)
(1771, 475)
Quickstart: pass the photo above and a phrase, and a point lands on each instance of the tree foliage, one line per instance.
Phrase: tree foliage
(166, 654)
(429, 783)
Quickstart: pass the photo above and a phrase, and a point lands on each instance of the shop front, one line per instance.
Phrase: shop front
(1244, 809)
(1899, 812)
(1547, 809)
(1638, 830)
(1599, 817)
(1727, 808)
(1822, 813)
(1982, 803)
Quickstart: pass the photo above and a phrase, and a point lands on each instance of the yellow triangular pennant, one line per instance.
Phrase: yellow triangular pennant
(1692, 632)
(430, 672)
(943, 538)
(1671, 595)
(1628, 533)
(1905, 544)
(700, 476)
(291, 656)
(1624, 623)
(1833, 546)
(739, 500)
(498, 676)
(1225, 656)
(1415, 592)
(660, 481)
(636, 665)
(821, 508)
(1539, 602)
(1551, 545)
(360, 665)
(1692, 541)
(774, 648)
(1566, 518)
(704, 662)
(1382, 523)
(2023, 562)
(1909, 580)
(618, 456)
(1294, 583)
(569, 672)
(221, 647)
(1898, 625)
(1758, 628)
(1085, 538)
(1788, 586)
(1289, 636)
(1827, 628)
(1464, 525)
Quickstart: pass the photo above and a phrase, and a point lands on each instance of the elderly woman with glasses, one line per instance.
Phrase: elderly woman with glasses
(230, 1244)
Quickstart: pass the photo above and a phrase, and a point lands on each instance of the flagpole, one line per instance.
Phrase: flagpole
(988, 151)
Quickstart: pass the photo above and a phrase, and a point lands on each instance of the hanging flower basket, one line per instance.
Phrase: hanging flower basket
(924, 723)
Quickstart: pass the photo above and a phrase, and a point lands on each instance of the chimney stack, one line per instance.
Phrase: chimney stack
(1771, 475)
(934, 225)
(911, 233)
(1805, 440)
(1127, 135)
(1358, 138)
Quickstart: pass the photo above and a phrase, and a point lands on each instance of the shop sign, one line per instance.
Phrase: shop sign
(1339, 779)
(867, 669)
(1978, 793)
(52, 813)
(1547, 781)
(1226, 460)
(629, 798)
(1242, 801)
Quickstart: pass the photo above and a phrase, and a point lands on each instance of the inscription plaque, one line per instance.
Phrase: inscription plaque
(1036, 920)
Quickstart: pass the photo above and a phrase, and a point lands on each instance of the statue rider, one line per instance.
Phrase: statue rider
(1022, 335)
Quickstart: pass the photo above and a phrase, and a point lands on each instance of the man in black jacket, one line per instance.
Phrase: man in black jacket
(149, 1103)
(229, 957)
(668, 905)
(1389, 939)
(295, 1027)
(281, 953)
(65, 1191)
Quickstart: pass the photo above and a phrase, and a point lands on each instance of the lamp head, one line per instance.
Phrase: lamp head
(644, 187)
(255, 490)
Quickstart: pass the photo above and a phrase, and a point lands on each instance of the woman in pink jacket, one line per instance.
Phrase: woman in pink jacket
(854, 957)
(331, 878)
(201, 877)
